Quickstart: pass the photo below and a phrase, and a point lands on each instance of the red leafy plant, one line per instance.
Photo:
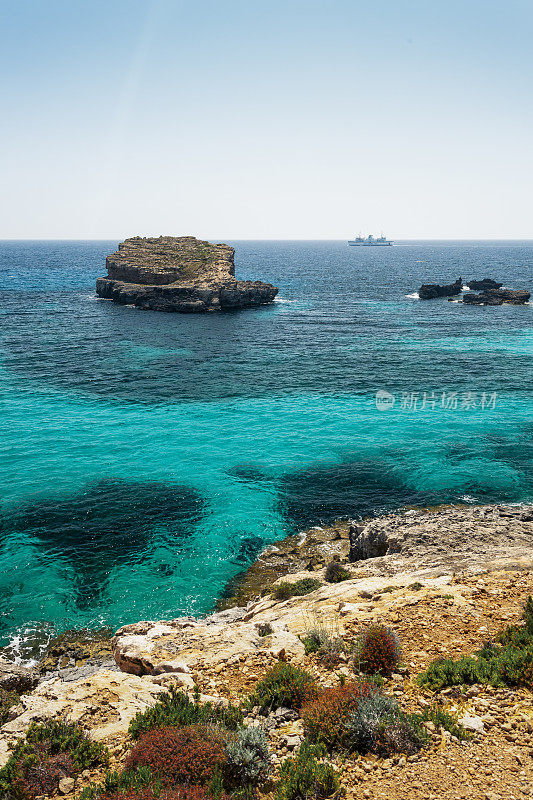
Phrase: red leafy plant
(323, 716)
(190, 755)
(377, 650)
(147, 793)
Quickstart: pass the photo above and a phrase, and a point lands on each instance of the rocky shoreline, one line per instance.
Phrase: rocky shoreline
(445, 579)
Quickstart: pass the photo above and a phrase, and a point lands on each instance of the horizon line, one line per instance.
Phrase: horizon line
(266, 239)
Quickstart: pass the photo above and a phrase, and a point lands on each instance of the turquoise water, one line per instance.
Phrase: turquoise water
(147, 458)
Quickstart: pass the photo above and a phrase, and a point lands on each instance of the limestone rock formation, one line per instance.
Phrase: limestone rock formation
(429, 291)
(173, 650)
(104, 704)
(497, 297)
(178, 273)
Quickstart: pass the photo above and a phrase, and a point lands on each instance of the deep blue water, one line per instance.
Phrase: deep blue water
(146, 458)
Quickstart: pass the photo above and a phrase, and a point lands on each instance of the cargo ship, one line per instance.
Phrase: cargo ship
(381, 241)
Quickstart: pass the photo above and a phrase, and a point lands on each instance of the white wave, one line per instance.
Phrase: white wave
(467, 498)
(283, 300)
(414, 296)
(466, 288)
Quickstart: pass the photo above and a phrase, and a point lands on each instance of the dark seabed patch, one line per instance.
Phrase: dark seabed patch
(110, 523)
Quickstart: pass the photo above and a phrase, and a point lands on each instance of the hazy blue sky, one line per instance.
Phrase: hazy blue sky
(266, 119)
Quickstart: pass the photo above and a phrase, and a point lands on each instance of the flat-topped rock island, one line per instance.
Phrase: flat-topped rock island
(178, 273)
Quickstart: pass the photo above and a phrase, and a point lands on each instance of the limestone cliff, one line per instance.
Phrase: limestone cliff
(178, 273)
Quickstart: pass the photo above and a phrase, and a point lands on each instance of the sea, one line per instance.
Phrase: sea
(147, 458)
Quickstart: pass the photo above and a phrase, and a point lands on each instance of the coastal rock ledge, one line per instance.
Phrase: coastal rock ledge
(178, 273)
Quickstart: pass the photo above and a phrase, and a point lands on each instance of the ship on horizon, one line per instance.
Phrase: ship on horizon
(381, 241)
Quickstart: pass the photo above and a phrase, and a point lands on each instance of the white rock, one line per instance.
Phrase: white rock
(471, 723)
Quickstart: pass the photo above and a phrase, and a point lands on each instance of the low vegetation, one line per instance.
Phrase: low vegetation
(335, 573)
(184, 751)
(323, 716)
(190, 755)
(286, 590)
(506, 662)
(176, 708)
(443, 719)
(377, 650)
(50, 751)
(326, 642)
(305, 777)
(378, 725)
(284, 685)
(358, 717)
(247, 758)
(7, 701)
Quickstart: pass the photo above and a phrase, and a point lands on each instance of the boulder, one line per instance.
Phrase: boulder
(178, 273)
(496, 297)
(15, 678)
(472, 723)
(429, 291)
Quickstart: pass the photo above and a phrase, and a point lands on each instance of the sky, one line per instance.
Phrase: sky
(266, 119)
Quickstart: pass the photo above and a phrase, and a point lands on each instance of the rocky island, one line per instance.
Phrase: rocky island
(497, 297)
(429, 291)
(490, 293)
(178, 273)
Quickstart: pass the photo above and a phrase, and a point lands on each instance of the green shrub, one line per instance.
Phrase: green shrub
(303, 777)
(284, 590)
(48, 752)
(507, 662)
(176, 708)
(247, 758)
(335, 573)
(378, 725)
(327, 645)
(119, 783)
(442, 719)
(416, 586)
(284, 685)
(377, 650)
(7, 700)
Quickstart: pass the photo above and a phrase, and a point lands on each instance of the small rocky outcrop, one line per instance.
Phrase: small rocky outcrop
(429, 291)
(486, 283)
(497, 297)
(173, 650)
(16, 678)
(178, 273)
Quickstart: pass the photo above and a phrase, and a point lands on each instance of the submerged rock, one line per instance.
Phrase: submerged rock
(429, 291)
(178, 273)
(496, 297)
